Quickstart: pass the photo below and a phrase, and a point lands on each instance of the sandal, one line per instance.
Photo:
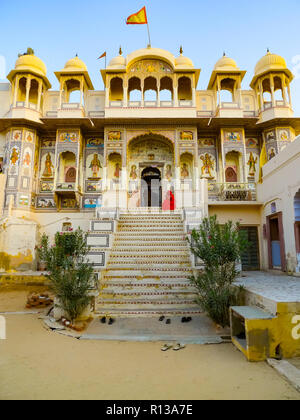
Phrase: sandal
(166, 347)
(103, 320)
(161, 318)
(179, 347)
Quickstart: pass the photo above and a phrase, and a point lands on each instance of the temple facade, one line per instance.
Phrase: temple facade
(75, 156)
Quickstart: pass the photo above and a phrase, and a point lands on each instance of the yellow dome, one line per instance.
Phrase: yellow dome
(75, 64)
(183, 61)
(226, 63)
(118, 62)
(270, 62)
(30, 62)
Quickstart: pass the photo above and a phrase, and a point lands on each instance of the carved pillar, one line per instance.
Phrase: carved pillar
(28, 85)
(175, 92)
(125, 94)
(261, 95)
(107, 89)
(17, 82)
(142, 89)
(158, 92)
(81, 91)
(283, 84)
(60, 94)
(40, 95)
(272, 91)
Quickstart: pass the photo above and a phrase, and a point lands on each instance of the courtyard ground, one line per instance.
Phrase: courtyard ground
(38, 364)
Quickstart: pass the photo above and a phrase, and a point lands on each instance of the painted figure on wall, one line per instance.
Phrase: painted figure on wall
(95, 166)
(169, 202)
(272, 153)
(14, 158)
(252, 164)
(185, 171)
(133, 174)
(48, 173)
(169, 174)
(117, 171)
(27, 159)
(208, 165)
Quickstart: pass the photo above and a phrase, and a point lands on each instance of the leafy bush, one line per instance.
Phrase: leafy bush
(220, 248)
(69, 273)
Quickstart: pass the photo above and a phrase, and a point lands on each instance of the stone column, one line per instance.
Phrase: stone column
(81, 92)
(272, 91)
(142, 90)
(125, 95)
(107, 89)
(17, 81)
(175, 92)
(60, 94)
(28, 85)
(261, 95)
(40, 95)
(158, 92)
(283, 84)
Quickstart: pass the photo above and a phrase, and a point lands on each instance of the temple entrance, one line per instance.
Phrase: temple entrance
(151, 191)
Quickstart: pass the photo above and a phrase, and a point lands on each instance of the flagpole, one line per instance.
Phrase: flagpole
(149, 34)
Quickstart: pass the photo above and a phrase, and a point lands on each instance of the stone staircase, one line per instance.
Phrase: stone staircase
(149, 268)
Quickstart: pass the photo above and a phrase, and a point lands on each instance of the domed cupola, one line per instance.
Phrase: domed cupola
(183, 62)
(118, 63)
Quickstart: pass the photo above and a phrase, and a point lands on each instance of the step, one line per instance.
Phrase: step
(154, 249)
(150, 282)
(148, 253)
(144, 304)
(168, 235)
(188, 311)
(118, 258)
(149, 266)
(127, 294)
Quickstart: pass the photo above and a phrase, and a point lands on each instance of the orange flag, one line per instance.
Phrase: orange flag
(103, 55)
(139, 18)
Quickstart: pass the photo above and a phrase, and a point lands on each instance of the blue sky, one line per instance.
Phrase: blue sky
(58, 29)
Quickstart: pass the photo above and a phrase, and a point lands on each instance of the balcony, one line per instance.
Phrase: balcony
(71, 110)
(21, 111)
(229, 110)
(232, 191)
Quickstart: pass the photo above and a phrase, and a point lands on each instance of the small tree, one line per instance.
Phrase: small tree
(70, 274)
(220, 248)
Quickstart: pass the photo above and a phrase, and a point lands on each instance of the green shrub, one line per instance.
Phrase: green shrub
(69, 273)
(220, 248)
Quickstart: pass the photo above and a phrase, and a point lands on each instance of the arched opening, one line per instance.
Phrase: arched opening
(34, 92)
(278, 89)
(151, 191)
(227, 91)
(67, 168)
(116, 89)
(297, 224)
(135, 90)
(73, 93)
(166, 90)
(150, 91)
(22, 89)
(184, 89)
(267, 96)
(232, 167)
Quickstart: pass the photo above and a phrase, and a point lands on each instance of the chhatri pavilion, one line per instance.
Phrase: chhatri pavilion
(79, 157)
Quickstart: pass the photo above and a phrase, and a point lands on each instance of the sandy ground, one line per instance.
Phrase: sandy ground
(38, 364)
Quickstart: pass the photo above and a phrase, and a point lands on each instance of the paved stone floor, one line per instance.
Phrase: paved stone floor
(201, 330)
(271, 285)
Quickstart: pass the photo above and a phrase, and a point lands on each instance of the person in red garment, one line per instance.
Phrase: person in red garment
(169, 203)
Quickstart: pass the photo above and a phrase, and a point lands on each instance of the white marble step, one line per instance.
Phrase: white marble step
(152, 234)
(143, 247)
(149, 258)
(154, 282)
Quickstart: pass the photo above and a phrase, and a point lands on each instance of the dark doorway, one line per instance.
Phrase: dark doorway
(250, 258)
(276, 242)
(151, 192)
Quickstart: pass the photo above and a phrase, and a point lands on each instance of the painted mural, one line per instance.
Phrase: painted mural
(29, 136)
(68, 137)
(208, 166)
(17, 135)
(95, 142)
(27, 161)
(14, 160)
(94, 166)
(284, 135)
(207, 142)
(252, 164)
(186, 135)
(233, 136)
(47, 165)
(45, 203)
(252, 143)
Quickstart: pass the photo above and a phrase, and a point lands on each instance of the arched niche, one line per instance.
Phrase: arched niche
(114, 167)
(67, 167)
(233, 166)
(186, 166)
(134, 89)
